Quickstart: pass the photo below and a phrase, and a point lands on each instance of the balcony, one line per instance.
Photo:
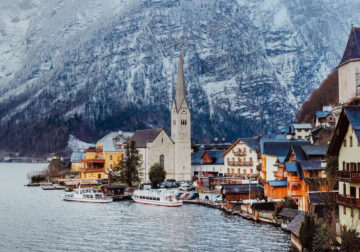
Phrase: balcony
(348, 176)
(241, 175)
(239, 153)
(236, 163)
(348, 201)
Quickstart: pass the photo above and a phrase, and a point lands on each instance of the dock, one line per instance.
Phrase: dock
(202, 202)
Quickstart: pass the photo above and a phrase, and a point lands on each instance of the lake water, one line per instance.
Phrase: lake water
(35, 220)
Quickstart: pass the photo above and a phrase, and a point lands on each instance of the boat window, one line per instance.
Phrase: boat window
(158, 199)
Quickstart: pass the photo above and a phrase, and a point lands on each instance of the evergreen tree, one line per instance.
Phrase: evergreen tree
(323, 237)
(157, 175)
(129, 165)
(307, 232)
(349, 240)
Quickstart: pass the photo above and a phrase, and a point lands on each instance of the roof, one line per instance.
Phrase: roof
(77, 156)
(216, 156)
(319, 197)
(278, 183)
(352, 50)
(299, 153)
(289, 212)
(112, 139)
(323, 114)
(180, 95)
(142, 137)
(301, 125)
(280, 148)
(252, 143)
(291, 166)
(349, 115)
(311, 165)
(314, 150)
(295, 225)
(241, 188)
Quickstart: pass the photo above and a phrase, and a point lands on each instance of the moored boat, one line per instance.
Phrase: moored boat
(158, 197)
(86, 195)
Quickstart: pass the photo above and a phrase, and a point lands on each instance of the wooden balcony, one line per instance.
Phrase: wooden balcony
(240, 175)
(236, 163)
(96, 160)
(348, 201)
(239, 153)
(348, 176)
(93, 169)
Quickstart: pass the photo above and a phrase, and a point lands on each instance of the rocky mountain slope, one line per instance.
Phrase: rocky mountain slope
(89, 66)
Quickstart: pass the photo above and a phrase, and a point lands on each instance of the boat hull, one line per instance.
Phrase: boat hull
(89, 200)
(156, 203)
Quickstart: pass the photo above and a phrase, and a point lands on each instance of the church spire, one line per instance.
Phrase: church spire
(180, 94)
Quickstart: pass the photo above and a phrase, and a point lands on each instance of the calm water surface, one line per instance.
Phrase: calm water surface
(35, 220)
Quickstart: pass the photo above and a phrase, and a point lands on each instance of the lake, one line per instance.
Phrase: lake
(35, 220)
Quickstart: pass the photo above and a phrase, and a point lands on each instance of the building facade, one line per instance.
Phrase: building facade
(346, 146)
(241, 159)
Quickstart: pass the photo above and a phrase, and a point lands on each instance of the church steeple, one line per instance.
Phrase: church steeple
(180, 94)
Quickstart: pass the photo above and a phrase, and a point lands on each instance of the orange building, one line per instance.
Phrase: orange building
(304, 177)
(275, 190)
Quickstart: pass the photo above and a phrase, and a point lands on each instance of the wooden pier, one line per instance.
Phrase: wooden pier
(206, 203)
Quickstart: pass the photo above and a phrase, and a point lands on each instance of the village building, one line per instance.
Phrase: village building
(242, 159)
(287, 215)
(173, 153)
(235, 194)
(102, 158)
(324, 118)
(207, 163)
(346, 146)
(299, 131)
(349, 72)
(294, 227)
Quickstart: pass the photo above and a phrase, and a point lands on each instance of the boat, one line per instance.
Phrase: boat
(158, 197)
(87, 195)
(47, 186)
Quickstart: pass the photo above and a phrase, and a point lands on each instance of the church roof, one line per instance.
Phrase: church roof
(142, 137)
(180, 95)
(352, 50)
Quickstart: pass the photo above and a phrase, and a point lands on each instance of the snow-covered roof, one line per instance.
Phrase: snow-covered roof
(301, 125)
(112, 141)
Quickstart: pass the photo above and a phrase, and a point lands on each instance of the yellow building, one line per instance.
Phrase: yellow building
(346, 146)
(107, 153)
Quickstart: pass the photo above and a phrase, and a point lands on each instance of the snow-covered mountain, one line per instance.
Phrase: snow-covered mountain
(97, 65)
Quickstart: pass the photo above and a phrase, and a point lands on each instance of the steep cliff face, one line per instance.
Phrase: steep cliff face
(99, 65)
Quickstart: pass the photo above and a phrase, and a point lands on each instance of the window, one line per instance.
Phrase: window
(99, 176)
(110, 157)
(358, 168)
(353, 167)
(306, 130)
(250, 150)
(344, 208)
(352, 212)
(299, 137)
(162, 161)
(111, 166)
(353, 191)
(344, 142)
(344, 189)
(357, 80)
(162, 140)
(344, 165)
(351, 141)
(251, 171)
(238, 170)
(348, 166)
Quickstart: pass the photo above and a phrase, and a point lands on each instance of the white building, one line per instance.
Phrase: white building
(299, 131)
(324, 118)
(241, 158)
(173, 153)
(208, 162)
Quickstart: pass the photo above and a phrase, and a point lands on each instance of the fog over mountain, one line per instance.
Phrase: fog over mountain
(86, 67)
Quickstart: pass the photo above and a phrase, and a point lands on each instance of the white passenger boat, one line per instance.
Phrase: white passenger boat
(87, 195)
(158, 197)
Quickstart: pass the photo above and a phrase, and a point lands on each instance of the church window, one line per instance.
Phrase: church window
(351, 141)
(185, 122)
(184, 110)
(357, 80)
(162, 140)
(162, 161)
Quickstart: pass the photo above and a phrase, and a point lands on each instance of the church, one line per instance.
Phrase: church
(172, 152)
